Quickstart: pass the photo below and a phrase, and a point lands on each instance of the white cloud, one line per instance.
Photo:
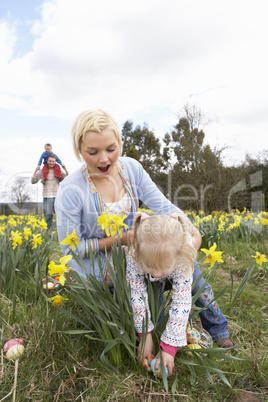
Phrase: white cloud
(142, 58)
(7, 42)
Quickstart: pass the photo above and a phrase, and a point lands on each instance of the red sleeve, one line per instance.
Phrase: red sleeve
(172, 350)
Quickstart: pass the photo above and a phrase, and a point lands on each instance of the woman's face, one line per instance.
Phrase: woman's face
(100, 152)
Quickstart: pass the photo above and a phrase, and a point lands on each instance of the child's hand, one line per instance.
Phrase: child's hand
(148, 350)
(168, 361)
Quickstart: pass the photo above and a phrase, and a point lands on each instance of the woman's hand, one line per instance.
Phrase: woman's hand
(148, 350)
(168, 361)
(107, 242)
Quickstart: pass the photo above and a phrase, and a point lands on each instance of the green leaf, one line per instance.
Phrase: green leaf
(76, 331)
(219, 372)
(174, 385)
(163, 372)
(243, 283)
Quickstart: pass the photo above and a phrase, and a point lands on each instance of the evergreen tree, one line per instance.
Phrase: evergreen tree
(142, 144)
(188, 145)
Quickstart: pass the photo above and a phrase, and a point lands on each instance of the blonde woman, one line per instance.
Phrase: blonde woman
(107, 182)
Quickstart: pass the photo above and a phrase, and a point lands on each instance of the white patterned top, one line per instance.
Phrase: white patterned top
(175, 331)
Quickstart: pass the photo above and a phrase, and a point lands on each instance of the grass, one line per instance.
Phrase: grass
(67, 367)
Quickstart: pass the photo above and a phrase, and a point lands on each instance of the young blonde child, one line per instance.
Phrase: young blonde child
(161, 249)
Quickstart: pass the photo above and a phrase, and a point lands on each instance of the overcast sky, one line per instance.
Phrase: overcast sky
(140, 60)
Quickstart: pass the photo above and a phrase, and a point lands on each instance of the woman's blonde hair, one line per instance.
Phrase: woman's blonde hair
(160, 242)
(96, 121)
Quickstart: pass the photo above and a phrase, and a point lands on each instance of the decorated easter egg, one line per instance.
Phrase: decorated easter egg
(193, 335)
(12, 342)
(158, 371)
(15, 352)
(194, 346)
(146, 364)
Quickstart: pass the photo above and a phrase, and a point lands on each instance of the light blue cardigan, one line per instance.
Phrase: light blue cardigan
(78, 208)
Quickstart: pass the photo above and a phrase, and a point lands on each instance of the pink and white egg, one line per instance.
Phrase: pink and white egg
(14, 348)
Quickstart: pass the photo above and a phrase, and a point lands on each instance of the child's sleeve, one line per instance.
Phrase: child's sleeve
(139, 295)
(40, 160)
(175, 331)
(57, 159)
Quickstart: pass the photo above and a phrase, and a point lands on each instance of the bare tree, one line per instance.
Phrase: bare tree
(195, 116)
(19, 191)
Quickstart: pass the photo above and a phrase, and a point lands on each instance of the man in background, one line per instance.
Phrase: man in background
(50, 188)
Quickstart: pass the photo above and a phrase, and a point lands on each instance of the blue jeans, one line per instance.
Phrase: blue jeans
(213, 320)
(48, 206)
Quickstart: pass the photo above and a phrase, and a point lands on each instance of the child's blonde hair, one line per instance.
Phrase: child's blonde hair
(96, 121)
(160, 242)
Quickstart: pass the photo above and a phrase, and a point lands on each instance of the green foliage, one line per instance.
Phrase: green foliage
(142, 144)
(188, 145)
(185, 167)
(109, 318)
(70, 356)
(108, 314)
(17, 260)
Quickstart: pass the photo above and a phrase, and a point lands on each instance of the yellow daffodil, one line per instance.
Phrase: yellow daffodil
(59, 269)
(260, 258)
(57, 300)
(230, 227)
(118, 223)
(51, 267)
(71, 240)
(33, 222)
(16, 238)
(221, 219)
(43, 224)
(12, 222)
(221, 227)
(110, 223)
(2, 230)
(104, 222)
(26, 233)
(212, 255)
(208, 218)
(37, 239)
(264, 221)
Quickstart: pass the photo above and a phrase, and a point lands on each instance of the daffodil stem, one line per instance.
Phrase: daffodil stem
(15, 380)
(264, 242)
